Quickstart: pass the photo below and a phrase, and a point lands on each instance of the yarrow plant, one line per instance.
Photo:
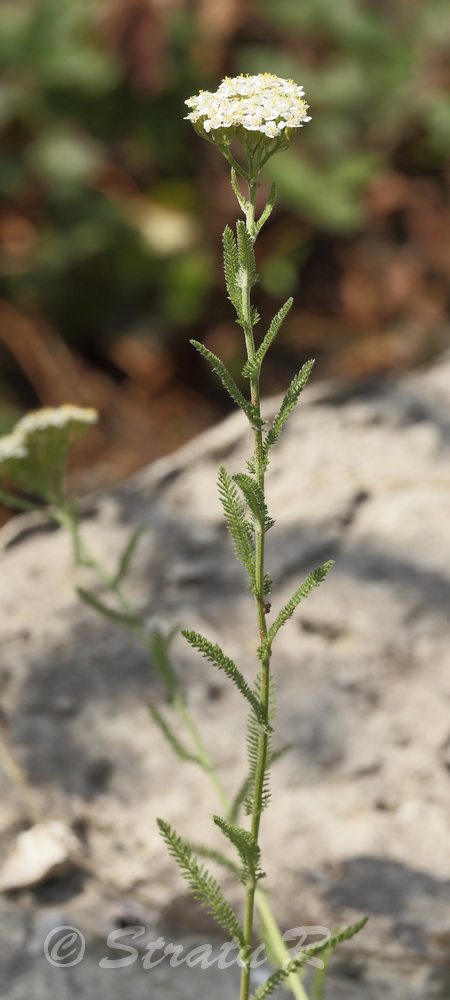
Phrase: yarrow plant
(249, 119)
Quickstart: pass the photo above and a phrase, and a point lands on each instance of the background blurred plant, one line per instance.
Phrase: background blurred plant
(105, 270)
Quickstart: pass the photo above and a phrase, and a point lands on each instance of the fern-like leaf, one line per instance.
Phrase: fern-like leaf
(313, 580)
(234, 184)
(239, 527)
(253, 740)
(229, 384)
(231, 268)
(11, 500)
(253, 366)
(290, 399)
(131, 621)
(213, 855)
(127, 554)
(248, 849)
(159, 644)
(169, 735)
(268, 207)
(215, 655)
(246, 253)
(203, 885)
(278, 977)
(254, 496)
(278, 754)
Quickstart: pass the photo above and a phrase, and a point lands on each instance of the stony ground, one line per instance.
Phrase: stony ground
(360, 811)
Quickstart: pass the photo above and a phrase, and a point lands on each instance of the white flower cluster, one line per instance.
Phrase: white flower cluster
(264, 103)
(59, 416)
(17, 445)
(12, 446)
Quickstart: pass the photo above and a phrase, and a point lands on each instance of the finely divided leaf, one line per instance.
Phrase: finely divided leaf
(268, 207)
(255, 498)
(234, 184)
(169, 734)
(158, 644)
(248, 849)
(313, 580)
(116, 616)
(253, 739)
(231, 268)
(229, 384)
(203, 885)
(127, 554)
(213, 855)
(10, 500)
(212, 652)
(290, 399)
(240, 529)
(246, 253)
(296, 963)
(252, 367)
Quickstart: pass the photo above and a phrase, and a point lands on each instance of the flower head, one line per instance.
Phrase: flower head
(12, 447)
(59, 416)
(34, 455)
(265, 105)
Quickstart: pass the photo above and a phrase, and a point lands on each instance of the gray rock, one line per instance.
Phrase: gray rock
(361, 806)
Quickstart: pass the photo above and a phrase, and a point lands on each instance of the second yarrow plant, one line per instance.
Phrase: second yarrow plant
(249, 119)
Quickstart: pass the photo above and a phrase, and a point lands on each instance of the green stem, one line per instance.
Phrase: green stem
(254, 895)
(260, 611)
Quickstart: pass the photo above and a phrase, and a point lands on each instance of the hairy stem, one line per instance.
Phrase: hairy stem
(260, 610)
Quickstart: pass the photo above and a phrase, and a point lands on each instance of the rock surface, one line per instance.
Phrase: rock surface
(360, 813)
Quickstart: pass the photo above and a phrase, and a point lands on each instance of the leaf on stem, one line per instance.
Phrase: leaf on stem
(290, 399)
(229, 384)
(131, 621)
(246, 253)
(252, 367)
(278, 754)
(254, 736)
(231, 269)
(213, 855)
(247, 847)
(158, 644)
(203, 885)
(169, 734)
(10, 500)
(212, 652)
(254, 497)
(296, 963)
(313, 580)
(239, 527)
(240, 197)
(268, 207)
(126, 556)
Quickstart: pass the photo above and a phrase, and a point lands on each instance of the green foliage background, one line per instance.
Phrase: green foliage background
(111, 208)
